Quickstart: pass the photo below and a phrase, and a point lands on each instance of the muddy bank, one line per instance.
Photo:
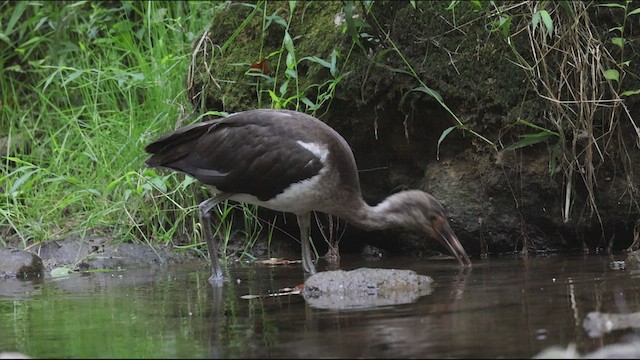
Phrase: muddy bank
(91, 253)
(104, 253)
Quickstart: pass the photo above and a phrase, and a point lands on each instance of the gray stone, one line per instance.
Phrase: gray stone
(20, 264)
(365, 287)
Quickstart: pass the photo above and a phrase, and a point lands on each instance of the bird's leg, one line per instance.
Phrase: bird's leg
(212, 244)
(303, 224)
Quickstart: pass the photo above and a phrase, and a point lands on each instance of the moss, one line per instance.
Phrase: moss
(312, 29)
(466, 66)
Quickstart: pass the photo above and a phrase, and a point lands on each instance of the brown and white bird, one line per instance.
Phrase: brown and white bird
(290, 161)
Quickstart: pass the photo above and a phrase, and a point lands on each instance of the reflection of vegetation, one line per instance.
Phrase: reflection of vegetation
(19, 312)
(177, 316)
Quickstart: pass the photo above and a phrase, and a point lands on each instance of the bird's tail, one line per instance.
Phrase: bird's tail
(175, 145)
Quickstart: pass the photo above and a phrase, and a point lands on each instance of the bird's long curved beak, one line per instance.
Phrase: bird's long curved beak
(449, 239)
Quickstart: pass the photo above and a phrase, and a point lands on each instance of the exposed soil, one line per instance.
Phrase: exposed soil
(103, 253)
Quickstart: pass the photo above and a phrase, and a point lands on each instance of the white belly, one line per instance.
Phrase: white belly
(298, 198)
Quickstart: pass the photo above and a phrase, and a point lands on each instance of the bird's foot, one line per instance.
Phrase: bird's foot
(216, 280)
(311, 271)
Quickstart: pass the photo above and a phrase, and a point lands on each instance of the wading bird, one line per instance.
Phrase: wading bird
(290, 161)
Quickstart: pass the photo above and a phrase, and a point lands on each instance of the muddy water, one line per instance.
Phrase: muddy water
(504, 307)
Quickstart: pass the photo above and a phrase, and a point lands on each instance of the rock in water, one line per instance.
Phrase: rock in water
(365, 287)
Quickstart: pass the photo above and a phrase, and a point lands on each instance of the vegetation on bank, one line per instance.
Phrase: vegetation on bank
(84, 86)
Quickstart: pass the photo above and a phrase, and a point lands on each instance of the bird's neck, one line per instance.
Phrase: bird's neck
(369, 217)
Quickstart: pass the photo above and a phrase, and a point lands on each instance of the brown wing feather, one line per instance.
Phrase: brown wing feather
(253, 152)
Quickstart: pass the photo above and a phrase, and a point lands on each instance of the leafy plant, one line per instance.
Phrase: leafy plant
(580, 82)
(532, 138)
(288, 94)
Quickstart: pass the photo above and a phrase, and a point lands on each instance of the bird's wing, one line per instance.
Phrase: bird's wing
(175, 145)
(257, 154)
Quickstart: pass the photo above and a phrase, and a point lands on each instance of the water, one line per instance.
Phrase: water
(505, 307)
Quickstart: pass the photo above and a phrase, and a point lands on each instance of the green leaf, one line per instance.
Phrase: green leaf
(288, 44)
(317, 60)
(112, 185)
(618, 41)
(291, 73)
(350, 22)
(442, 137)
(309, 103)
(526, 141)
(60, 272)
(20, 7)
(612, 74)
(630, 92)
(5, 38)
(72, 77)
(291, 61)
(547, 21)
(284, 87)
(276, 19)
(634, 12)
(334, 62)
(611, 5)
(148, 173)
(34, 40)
(534, 126)
(138, 76)
(617, 28)
(15, 68)
(257, 74)
(188, 180)
(535, 20)
(541, 134)
(159, 183)
(21, 180)
(274, 98)
(427, 90)
(503, 24)
(566, 5)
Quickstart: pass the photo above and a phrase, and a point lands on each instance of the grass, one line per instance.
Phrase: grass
(84, 88)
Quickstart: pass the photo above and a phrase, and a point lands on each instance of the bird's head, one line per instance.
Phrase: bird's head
(420, 211)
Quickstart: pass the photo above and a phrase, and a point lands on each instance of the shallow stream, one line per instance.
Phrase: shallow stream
(504, 307)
